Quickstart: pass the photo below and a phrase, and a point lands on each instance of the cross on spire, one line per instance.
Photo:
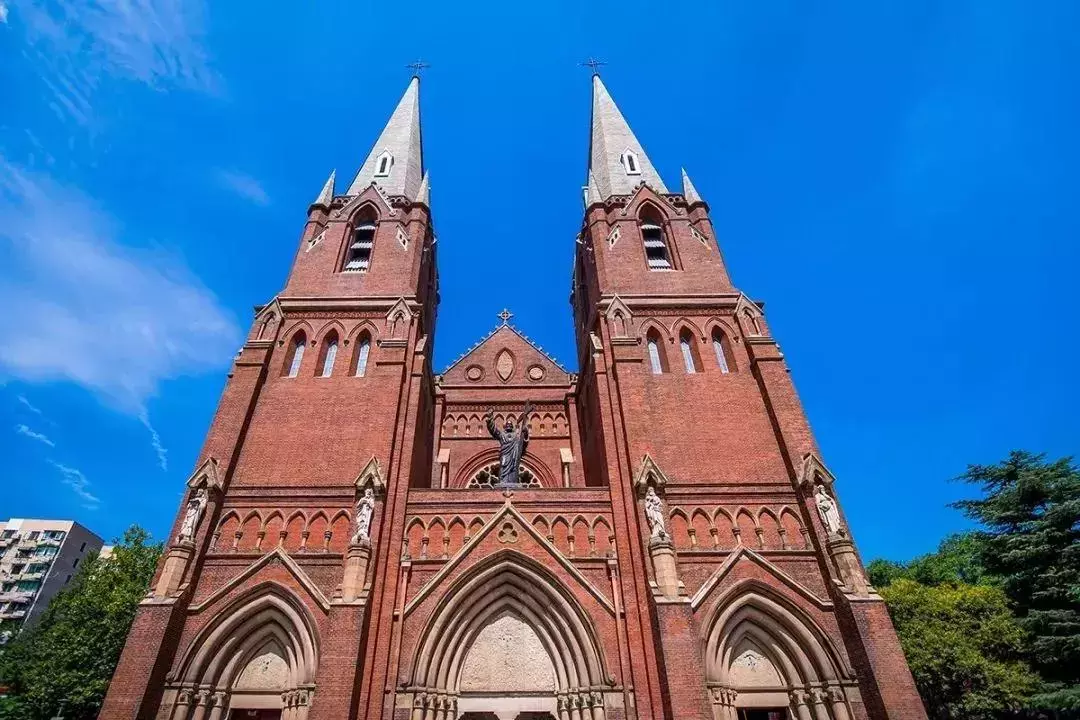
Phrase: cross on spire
(418, 66)
(505, 316)
(594, 64)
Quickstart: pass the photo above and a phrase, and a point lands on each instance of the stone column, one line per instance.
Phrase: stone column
(200, 705)
(821, 710)
(176, 563)
(182, 706)
(839, 703)
(356, 564)
(418, 707)
(663, 557)
(217, 705)
(798, 700)
(848, 566)
(598, 712)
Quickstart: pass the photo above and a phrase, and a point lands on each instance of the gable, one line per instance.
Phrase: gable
(505, 357)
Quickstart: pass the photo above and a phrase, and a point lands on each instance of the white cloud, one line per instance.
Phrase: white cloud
(110, 318)
(3, 12)
(155, 442)
(77, 43)
(243, 185)
(74, 479)
(24, 430)
(28, 405)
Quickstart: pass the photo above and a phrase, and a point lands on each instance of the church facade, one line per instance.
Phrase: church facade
(352, 544)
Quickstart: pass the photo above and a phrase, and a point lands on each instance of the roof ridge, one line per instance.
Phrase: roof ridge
(517, 332)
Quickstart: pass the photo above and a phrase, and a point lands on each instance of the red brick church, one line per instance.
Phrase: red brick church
(365, 537)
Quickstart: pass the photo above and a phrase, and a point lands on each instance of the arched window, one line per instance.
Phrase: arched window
(657, 253)
(630, 163)
(358, 257)
(656, 355)
(363, 350)
(296, 355)
(383, 164)
(329, 354)
(687, 346)
(752, 324)
(724, 359)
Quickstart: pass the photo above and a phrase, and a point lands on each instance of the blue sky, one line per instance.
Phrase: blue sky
(897, 181)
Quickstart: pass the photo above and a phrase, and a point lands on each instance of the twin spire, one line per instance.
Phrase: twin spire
(617, 161)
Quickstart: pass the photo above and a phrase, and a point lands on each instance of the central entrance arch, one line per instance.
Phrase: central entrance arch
(508, 640)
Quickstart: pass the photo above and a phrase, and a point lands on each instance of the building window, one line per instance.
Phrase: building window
(33, 535)
(488, 477)
(383, 164)
(657, 253)
(630, 162)
(296, 355)
(75, 564)
(723, 352)
(363, 350)
(83, 548)
(8, 534)
(45, 551)
(55, 534)
(358, 258)
(656, 355)
(329, 354)
(689, 351)
(27, 585)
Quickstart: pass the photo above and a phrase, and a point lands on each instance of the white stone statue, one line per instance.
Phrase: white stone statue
(195, 507)
(654, 514)
(365, 508)
(830, 513)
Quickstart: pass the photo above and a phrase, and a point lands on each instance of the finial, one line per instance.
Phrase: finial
(418, 67)
(505, 316)
(594, 64)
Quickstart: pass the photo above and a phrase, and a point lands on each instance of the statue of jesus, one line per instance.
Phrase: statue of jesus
(511, 444)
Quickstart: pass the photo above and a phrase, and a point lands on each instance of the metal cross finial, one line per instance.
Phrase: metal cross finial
(505, 316)
(418, 67)
(594, 64)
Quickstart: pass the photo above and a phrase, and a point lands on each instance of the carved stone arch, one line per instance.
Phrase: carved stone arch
(317, 515)
(373, 202)
(686, 323)
(328, 327)
(620, 319)
(297, 514)
(397, 321)
(289, 335)
(648, 323)
(729, 328)
(509, 583)
(371, 477)
(268, 319)
(273, 514)
(649, 473)
(267, 616)
(229, 514)
(752, 618)
(646, 196)
(371, 328)
(748, 313)
(813, 472)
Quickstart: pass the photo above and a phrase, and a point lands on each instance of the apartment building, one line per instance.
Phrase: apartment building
(37, 559)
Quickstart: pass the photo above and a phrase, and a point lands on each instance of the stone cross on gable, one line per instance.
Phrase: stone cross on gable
(505, 316)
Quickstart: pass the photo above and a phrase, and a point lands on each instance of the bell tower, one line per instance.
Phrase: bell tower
(699, 433)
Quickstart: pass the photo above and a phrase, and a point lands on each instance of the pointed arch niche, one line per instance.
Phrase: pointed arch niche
(260, 653)
(761, 652)
(509, 639)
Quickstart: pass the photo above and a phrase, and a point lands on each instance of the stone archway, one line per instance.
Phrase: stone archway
(763, 656)
(256, 660)
(508, 640)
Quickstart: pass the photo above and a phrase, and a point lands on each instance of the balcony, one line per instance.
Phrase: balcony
(49, 541)
(36, 575)
(12, 615)
(18, 596)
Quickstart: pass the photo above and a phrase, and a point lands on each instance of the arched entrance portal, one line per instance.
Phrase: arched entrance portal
(255, 661)
(765, 660)
(508, 642)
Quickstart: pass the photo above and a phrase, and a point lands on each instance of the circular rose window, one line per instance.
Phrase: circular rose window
(474, 372)
(536, 373)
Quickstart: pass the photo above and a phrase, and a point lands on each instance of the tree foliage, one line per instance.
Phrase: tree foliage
(958, 560)
(964, 647)
(1031, 541)
(68, 657)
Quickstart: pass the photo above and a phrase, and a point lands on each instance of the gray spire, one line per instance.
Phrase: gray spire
(396, 162)
(688, 190)
(592, 193)
(327, 193)
(423, 195)
(612, 141)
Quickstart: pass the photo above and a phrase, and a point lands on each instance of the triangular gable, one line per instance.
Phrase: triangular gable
(703, 592)
(524, 353)
(206, 475)
(507, 510)
(374, 193)
(280, 555)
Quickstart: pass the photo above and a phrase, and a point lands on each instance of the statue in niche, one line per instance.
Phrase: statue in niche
(195, 508)
(512, 444)
(365, 508)
(654, 514)
(827, 508)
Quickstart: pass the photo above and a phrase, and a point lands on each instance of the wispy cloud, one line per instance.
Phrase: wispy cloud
(26, 431)
(110, 318)
(3, 11)
(243, 185)
(74, 479)
(155, 442)
(78, 43)
(28, 405)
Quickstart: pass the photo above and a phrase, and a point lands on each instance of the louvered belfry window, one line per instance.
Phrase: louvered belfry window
(656, 249)
(359, 256)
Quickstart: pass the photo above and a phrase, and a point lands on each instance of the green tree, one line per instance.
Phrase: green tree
(957, 560)
(68, 657)
(1031, 542)
(964, 647)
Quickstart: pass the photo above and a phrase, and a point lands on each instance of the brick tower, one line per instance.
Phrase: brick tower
(671, 546)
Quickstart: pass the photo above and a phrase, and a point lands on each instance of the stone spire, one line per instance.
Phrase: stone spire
(396, 162)
(616, 159)
(423, 195)
(592, 193)
(689, 191)
(327, 194)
